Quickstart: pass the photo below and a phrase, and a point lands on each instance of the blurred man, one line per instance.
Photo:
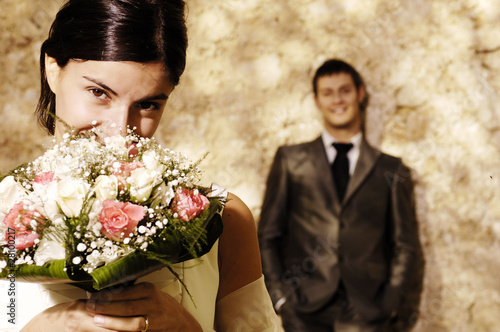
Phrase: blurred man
(337, 230)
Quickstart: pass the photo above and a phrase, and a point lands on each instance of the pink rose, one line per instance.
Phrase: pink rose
(19, 219)
(189, 203)
(44, 178)
(125, 171)
(118, 219)
(133, 151)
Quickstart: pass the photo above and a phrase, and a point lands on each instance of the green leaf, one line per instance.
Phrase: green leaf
(50, 272)
(129, 268)
(135, 265)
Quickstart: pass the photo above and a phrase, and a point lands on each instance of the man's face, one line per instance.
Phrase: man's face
(338, 101)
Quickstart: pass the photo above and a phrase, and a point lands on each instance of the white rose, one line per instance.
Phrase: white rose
(163, 194)
(93, 146)
(64, 166)
(114, 252)
(94, 212)
(78, 147)
(84, 146)
(152, 161)
(141, 182)
(46, 162)
(3, 231)
(106, 187)
(50, 201)
(11, 192)
(48, 251)
(71, 194)
(117, 143)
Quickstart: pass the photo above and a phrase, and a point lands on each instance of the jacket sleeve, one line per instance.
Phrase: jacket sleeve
(404, 236)
(272, 227)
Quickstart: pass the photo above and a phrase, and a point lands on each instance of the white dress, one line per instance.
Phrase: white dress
(246, 309)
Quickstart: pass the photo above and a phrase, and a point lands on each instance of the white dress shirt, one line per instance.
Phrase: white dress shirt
(352, 155)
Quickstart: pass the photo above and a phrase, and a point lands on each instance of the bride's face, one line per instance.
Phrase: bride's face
(120, 94)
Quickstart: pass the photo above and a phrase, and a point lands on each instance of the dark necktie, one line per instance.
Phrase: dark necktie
(340, 168)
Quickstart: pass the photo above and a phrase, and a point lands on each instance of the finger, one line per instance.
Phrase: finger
(119, 308)
(75, 318)
(134, 292)
(120, 323)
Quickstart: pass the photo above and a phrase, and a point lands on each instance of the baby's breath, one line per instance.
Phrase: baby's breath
(86, 171)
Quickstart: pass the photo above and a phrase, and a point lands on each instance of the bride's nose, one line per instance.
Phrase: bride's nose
(119, 120)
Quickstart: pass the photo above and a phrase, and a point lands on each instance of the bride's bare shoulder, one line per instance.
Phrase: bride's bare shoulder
(238, 248)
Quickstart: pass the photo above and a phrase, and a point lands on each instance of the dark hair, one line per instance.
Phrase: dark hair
(336, 66)
(114, 30)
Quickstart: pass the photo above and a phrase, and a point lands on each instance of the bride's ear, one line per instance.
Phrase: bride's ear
(52, 71)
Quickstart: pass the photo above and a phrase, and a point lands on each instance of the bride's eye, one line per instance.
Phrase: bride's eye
(98, 93)
(148, 106)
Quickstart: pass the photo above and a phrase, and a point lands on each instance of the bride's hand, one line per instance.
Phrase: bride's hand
(64, 317)
(126, 309)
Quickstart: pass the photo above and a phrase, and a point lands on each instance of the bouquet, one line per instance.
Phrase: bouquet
(101, 212)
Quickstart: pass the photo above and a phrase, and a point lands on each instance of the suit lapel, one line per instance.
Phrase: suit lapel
(324, 172)
(367, 159)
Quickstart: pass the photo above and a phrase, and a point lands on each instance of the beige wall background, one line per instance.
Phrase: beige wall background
(431, 67)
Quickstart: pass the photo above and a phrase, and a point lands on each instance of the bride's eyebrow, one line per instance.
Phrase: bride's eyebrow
(161, 96)
(101, 84)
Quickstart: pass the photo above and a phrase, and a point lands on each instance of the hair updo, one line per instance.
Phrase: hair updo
(114, 30)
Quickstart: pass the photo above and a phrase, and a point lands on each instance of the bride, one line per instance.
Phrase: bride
(117, 61)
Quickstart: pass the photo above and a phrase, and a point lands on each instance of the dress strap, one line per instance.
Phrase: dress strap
(218, 191)
(248, 308)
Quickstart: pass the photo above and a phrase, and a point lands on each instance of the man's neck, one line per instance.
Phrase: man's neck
(343, 135)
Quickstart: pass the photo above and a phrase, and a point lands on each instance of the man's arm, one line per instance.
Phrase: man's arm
(272, 228)
(405, 236)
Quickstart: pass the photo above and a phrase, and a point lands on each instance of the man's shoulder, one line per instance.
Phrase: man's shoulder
(391, 162)
(292, 148)
(383, 157)
(390, 159)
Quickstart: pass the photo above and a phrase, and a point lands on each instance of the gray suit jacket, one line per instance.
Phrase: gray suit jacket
(309, 240)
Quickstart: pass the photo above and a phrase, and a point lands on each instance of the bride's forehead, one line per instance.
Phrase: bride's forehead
(112, 69)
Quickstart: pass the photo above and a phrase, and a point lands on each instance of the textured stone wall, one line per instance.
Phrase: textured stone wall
(431, 67)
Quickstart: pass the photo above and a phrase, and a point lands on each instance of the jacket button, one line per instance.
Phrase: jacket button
(342, 225)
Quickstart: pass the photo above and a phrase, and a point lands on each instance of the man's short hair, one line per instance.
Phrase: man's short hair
(336, 66)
